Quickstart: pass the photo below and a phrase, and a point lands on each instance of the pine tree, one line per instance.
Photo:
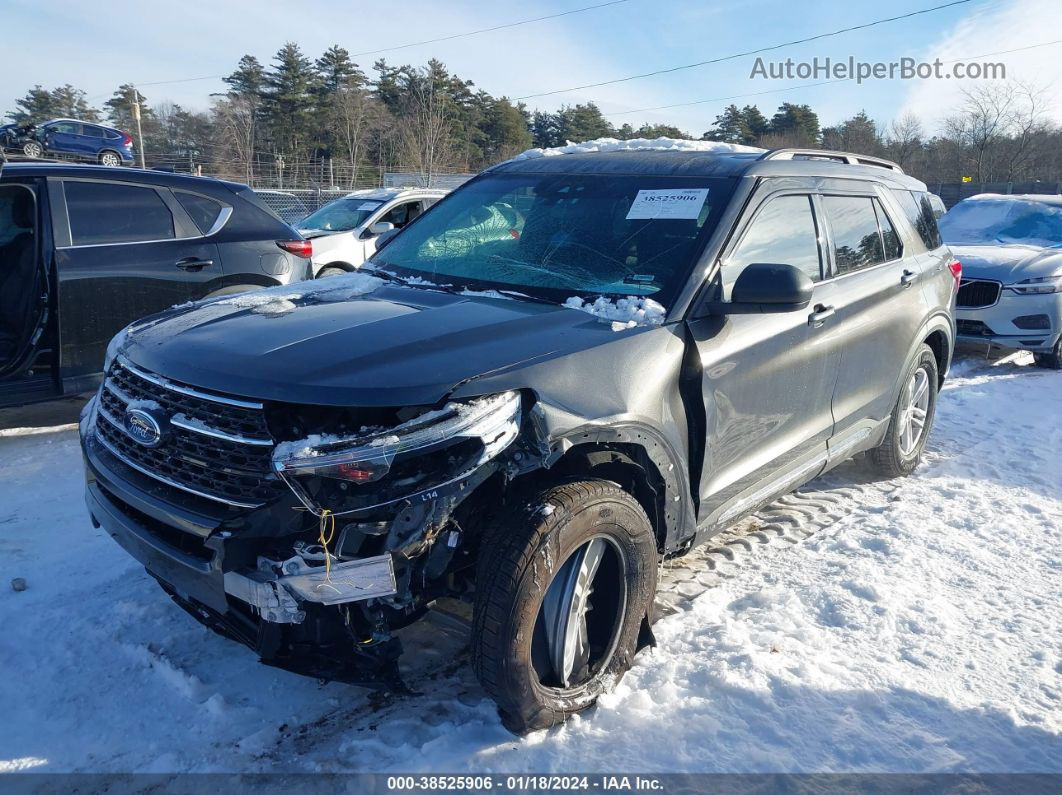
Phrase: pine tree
(798, 124)
(730, 126)
(288, 101)
(578, 123)
(336, 71)
(38, 105)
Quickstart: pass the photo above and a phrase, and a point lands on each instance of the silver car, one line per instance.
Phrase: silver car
(1011, 253)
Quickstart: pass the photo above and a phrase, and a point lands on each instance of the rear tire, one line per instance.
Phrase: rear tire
(32, 149)
(112, 159)
(561, 594)
(912, 419)
(1052, 360)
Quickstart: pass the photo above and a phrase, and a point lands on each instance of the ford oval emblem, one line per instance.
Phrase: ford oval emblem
(143, 428)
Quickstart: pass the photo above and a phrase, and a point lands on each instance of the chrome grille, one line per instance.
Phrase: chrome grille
(976, 293)
(217, 447)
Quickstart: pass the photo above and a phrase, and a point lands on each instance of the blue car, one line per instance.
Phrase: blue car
(81, 140)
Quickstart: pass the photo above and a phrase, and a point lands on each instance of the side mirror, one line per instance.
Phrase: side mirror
(765, 287)
(380, 227)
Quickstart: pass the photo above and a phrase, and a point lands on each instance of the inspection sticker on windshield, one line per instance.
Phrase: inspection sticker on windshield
(368, 205)
(682, 203)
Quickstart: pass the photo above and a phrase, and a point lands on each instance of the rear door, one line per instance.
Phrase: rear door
(123, 251)
(767, 378)
(875, 296)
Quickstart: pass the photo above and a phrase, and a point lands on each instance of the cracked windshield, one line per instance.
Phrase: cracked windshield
(563, 234)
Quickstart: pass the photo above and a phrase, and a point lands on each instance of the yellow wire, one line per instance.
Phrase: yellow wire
(328, 520)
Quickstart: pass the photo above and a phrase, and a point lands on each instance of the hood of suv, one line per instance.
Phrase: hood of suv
(393, 346)
(1007, 263)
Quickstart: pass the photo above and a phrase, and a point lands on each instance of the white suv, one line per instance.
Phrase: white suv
(1011, 292)
(344, 232)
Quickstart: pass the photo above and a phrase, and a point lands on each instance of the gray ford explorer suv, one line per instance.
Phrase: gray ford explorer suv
(660, 343)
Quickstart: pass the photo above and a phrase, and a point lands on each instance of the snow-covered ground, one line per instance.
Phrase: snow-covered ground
(913, 625)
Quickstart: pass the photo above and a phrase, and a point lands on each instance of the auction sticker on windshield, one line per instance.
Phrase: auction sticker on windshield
(682, 203)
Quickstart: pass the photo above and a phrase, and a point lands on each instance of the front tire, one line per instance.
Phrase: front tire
(32, 149)
(564, 582)
(912, 419)
(1052, 360)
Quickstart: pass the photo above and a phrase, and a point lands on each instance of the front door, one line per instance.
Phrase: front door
(398, 214)
(124, 259)
(767, 378)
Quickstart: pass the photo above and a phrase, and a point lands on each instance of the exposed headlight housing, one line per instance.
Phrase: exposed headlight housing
(1041, 285)
(357, 473)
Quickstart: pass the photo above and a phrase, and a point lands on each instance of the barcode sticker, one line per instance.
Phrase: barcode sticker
(682, 203)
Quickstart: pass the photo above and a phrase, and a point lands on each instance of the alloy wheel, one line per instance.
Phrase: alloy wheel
(109, 159)
(581, 615)
(915, 411)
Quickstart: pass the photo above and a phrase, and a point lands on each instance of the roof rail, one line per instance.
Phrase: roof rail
(851, 159)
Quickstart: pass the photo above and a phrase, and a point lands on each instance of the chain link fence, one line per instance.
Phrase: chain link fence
(295, 204)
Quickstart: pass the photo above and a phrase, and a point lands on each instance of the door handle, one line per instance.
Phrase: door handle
(908, 278)
(193, 264)
(818, 317)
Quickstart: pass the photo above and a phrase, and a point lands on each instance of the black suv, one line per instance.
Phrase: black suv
(530, 418)
(85, 250)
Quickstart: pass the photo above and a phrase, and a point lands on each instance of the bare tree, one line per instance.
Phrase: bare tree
(354, 115)
(426, 127)
(904, 139)
(1029, 122)
(983, 121)
(236, 120)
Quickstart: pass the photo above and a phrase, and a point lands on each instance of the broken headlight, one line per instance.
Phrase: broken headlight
(356, 473)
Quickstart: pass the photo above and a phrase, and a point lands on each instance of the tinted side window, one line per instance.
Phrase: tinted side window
(928, 227)
(92, 131)
(204, 211)
(111, 213)
(889, 236)
(66, 127)
(919, 211)
(856, 238)
(783, 233)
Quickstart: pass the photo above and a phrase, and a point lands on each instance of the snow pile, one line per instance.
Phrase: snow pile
(637, 145)
(624, 313)
(914, 629)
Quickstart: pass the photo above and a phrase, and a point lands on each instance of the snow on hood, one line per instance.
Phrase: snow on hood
(281, 300)
(637, 145)
(623, 313)
(1008, 263)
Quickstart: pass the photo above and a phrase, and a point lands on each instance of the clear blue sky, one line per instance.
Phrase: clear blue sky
(65, 41)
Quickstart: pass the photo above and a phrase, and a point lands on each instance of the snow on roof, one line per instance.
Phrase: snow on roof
(386, 194)
(638, 145)
(1050, 198)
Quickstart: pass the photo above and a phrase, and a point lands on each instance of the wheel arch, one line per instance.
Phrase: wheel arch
(641, 462)
(344, 266)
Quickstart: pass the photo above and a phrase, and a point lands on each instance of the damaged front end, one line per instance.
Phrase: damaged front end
(383, 527)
